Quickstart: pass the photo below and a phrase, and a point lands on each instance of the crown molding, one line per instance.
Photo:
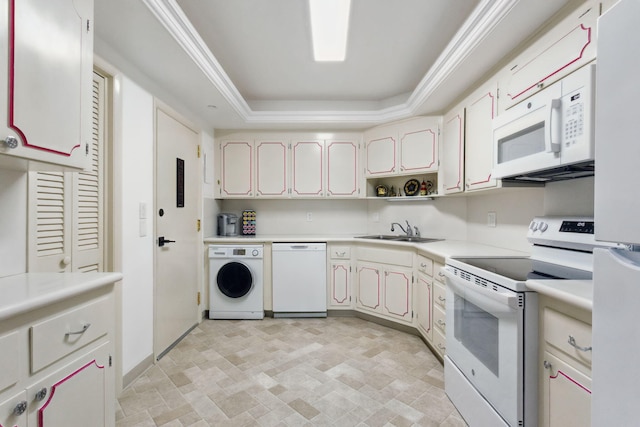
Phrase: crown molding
(484, 19)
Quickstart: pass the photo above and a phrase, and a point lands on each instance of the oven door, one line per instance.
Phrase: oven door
(485, 342)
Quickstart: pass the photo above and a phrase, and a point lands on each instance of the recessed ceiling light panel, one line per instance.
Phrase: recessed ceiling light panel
(329, 28)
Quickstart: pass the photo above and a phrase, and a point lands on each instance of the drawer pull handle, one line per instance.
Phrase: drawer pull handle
(442, 300)
(20, 408)
(81, 331)
(546, 365)
(572, 342)
(441, 323)
(423, 265)
(341, 254)
(442, 348)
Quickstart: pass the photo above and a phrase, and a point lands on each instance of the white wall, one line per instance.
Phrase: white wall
(514, 209)
(13, 226)
(136, 171)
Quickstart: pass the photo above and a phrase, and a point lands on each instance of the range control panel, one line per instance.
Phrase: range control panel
(565, 232)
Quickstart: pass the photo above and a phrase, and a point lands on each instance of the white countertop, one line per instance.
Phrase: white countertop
(29, 291)
(440, 249)
(575, 292)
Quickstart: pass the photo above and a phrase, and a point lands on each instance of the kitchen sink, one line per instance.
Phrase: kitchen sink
(416, 239)
(381, 237)
(412, 239)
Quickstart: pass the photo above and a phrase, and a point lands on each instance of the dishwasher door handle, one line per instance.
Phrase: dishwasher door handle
(299, 246)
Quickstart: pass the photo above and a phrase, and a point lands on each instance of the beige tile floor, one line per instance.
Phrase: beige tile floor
(338, 371)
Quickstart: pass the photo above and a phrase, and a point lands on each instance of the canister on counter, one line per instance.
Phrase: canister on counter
(248, 223)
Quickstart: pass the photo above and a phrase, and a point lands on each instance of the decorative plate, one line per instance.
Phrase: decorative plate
(382, 191)
(411, 187)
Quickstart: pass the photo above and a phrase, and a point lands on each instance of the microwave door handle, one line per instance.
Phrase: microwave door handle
(553, 136)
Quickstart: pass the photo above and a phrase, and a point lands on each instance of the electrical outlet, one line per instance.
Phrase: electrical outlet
(491, 219)
(309, 216)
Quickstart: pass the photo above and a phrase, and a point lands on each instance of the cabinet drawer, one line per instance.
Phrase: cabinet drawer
(439, 319)
(558, 328)
(9, 360)
(340, 252)
(58, 336)
(439, 342)
(386, 256)
(439, 295)
(425, 265)
(437, 274)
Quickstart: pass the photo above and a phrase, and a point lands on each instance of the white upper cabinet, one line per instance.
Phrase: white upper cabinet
(342, 168)
(481, 108)
(289, 165)
(307, 163)
(452, 173)
(46, 75)
(271, 167)
(563, 49)
(236, 161)
(407, 148)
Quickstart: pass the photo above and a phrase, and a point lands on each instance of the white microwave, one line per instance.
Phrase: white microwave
(549, 136)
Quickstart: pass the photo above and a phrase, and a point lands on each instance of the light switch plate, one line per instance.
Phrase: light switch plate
(143, 210)
(491, 219)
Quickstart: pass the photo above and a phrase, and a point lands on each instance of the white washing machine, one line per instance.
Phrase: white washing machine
(235, 282)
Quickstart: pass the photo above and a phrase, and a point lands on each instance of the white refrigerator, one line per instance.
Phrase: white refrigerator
(616, 275)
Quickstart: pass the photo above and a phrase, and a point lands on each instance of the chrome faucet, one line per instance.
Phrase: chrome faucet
(408, 231)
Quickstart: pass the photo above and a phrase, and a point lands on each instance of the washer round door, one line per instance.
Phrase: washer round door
(234, 279)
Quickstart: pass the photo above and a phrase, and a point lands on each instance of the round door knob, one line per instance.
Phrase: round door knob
(11, 142)
(66, 260)
(20, 408)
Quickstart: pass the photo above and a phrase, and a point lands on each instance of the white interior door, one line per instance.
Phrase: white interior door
(177, 213)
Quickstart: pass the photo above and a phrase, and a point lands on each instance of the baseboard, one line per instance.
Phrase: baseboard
(137, 370)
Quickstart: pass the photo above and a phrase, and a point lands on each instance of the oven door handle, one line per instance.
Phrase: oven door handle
(462, 286)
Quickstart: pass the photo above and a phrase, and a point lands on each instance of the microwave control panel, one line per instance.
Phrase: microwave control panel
(573, 119)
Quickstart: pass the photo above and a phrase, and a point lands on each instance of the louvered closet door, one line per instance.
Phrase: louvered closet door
(66, 208)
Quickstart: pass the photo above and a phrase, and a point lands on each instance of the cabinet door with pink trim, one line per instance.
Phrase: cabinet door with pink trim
(307, 164)
(563, 49)
(369, 278)
(236, 164)
(342, 169)
(481, 108)
(418, 143)
(79, 394)
(451, 174)
(271, 168)
(46, 56)
(398, 289)
(13, 411)
(566, 399)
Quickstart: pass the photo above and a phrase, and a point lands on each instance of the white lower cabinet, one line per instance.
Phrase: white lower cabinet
(79, 394)
(384, 283)
(565, 365)
(60, 364)
(339, 274)
(423, 305)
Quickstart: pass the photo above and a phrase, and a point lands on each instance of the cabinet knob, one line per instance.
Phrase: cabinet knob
(66, 260)
(11, 142)
(41, 394)
(546, 365)
(20, 408)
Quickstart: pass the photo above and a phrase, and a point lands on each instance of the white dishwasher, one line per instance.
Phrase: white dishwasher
(299, 279)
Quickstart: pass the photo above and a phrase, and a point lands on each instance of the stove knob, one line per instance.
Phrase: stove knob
(533, 226)
(543, 226)
(254, 252)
